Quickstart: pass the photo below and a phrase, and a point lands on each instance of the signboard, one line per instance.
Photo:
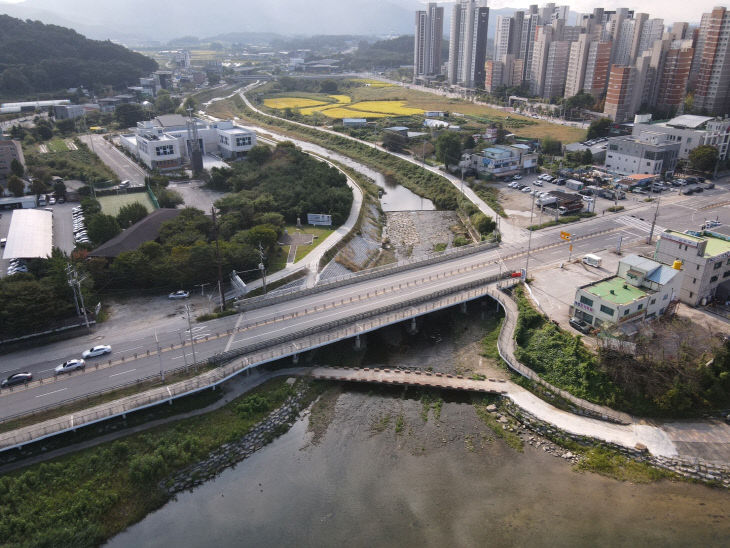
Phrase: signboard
(582, 306)
(564, 235)
(319, 219)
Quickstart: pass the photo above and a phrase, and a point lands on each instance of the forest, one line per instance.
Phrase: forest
(42, 58)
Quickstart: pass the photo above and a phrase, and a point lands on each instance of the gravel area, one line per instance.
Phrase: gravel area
(415, 233)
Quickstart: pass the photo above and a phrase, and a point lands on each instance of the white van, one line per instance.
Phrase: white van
(592, 260)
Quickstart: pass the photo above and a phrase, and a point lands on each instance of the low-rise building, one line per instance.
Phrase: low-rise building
(691, 131)
(10, 150)
(164, 144)
(705, 257)
(354, 122)
(651, 153)
(641, 289)
(69, 112)
(504, 160)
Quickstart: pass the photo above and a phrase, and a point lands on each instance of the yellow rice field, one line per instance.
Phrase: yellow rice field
(291, 102)
(396, 108)
(341, 112)
(373, 83)
(341, 99)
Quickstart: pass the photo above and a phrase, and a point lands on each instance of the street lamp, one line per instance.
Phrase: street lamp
(192, 340)
(529, 239)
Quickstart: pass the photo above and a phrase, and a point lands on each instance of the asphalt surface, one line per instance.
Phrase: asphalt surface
(122, 166)
(590, 236)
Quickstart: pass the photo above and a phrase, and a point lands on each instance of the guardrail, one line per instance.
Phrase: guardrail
(295, 293)
(307, 340)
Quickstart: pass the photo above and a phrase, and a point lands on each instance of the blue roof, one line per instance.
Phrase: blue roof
(662, 275)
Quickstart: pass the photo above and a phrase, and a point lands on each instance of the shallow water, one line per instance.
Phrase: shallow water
(445, 482)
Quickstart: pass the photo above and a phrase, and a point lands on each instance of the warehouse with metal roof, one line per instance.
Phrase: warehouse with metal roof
(30, 235)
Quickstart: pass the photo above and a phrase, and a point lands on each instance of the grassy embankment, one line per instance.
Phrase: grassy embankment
(86, 497)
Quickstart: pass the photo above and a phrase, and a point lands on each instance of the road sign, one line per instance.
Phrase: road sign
(564, 235)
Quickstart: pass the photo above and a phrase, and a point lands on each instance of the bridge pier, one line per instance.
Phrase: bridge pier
(360, 342)
(462, 307)
(413, 328)
(295, 359)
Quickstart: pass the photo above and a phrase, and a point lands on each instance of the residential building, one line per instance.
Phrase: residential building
(503, 160)
(691, 131)
(10, 150)
(670, 64)
(164, 143)
(354, 122)
(619, 96)
(556, 68)
(649, 153)
(503, 36)
(705, 260)
(576, 70)
(712, 59)
(641, 289)
(493, 75)
(598, 63)
(651, 31)
(468, 43)
(428, 37)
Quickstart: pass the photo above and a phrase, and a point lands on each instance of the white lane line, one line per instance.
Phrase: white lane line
(177, 358)
(49, 393)
(233, 333)
(122, 373)
(133, 348)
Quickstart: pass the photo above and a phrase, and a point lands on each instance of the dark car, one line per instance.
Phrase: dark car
(699, 189)
(18, 378)
(710, 185)
(689, 191)
(580, 325)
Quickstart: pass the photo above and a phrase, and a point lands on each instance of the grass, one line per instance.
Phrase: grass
(320, 234)
(439, 247)
(614, 465)
(111, 205)
(564, 220)
(86, 497)
(57, 145)
(489, 341)
(80, 164)
(490, 195)
(512, 439)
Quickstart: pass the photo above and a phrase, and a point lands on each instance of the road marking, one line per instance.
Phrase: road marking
(49, 393)
(122, 373)
(233, 333)
(133, 348)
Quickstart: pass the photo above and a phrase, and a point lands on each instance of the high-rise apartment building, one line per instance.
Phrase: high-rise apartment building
(712, 84)
(619, 95)
(427, 46)
(503, 36)
(576, 71)
(468, 43)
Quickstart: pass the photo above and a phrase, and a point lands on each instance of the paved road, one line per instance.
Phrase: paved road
(123, 167)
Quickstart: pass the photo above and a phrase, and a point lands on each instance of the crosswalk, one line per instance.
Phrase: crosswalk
(634, 222)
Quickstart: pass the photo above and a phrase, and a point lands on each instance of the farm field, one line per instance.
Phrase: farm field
(320, 234)
(110, 205)
(57, 145)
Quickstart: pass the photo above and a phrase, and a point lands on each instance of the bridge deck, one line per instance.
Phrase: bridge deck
(406, 377)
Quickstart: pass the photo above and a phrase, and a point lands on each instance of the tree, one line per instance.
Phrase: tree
(551, 146)
(264, 234)
(59, 189)
(191, 103)
(703, 158)
(395, 142)
(587, 157)
(469, 143)
(131, 214)
(328, 86)
(164, 103)
(168, 198)
(213, 78)
(38, 187)
(66, 126)
(128, 114)
(16, 168)
(102, 228)
(259, 155)
(599, 128)
(16, 186)
(448, 148)
(482, 223)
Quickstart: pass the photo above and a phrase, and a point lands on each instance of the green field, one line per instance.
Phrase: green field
(320, 235)
(57, 145)
(111, 205)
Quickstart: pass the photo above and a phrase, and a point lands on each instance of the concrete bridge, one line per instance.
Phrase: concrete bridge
(408, 377)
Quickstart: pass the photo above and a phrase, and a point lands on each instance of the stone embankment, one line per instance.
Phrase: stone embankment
(228, 454)
(692, 469)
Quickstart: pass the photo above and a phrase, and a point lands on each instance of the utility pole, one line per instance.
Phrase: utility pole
(529, 239)
(75, 283)
(653, 222)
(69, 275)
(159, 354)
(192, 340)
(218, 260)
(262, 268)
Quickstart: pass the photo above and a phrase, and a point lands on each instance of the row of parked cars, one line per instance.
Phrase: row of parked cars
(17, 265)
(79, 226)
(66, 367)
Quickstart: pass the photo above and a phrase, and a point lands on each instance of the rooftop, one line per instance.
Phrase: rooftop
(143, 231)
(689, 121)
(30, 235)
(716, 245)
(171, 120)
(616, 290)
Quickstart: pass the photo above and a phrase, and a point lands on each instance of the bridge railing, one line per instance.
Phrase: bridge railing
(294, 293)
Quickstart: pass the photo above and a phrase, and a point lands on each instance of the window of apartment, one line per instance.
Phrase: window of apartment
(728, 262)
(243, 141)
(713, 279)
(640, 307)
(626, 312)
(698, 267)
(727, 273)
(607, 310)
(717, 265)
(691, 294)
(694, 280)
(586, 300)
(165, 150)
(652, 301)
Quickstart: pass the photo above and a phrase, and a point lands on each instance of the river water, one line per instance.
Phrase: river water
(379, 468)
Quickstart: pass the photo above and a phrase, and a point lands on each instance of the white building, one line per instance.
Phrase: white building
(651, 153)
(641, 289)
(691, 131)
(163, 143)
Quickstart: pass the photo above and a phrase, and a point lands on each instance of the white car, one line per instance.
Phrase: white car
(95, 351)
(70, 365)
(179, 295)
(517, 177)
(527, 189)
(537, 183)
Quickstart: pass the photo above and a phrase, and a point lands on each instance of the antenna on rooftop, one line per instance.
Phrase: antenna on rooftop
(196, 155)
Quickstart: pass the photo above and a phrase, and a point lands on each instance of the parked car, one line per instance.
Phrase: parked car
(517, 177)
(560, 182)
(537, 183)
(70, 365)
(710, 185)
(580, 325)
(527, 189)
(95, 351)
(179, 295)
(17, 378)
(124, 184)
(3, 241)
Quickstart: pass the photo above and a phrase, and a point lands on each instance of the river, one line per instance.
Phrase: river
(368, 470)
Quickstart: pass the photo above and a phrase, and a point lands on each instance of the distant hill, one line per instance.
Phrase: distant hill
(38, 58)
